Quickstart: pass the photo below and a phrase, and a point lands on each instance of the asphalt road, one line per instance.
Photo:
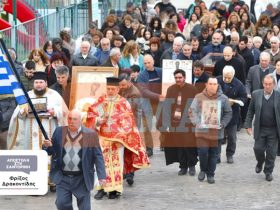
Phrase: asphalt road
(159, 187)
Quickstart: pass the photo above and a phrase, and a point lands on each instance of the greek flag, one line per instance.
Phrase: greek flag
(8, 82)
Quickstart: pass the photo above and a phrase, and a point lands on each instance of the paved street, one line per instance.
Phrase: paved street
(159, 187)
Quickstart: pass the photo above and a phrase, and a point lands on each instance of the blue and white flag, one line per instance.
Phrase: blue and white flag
(9, 85)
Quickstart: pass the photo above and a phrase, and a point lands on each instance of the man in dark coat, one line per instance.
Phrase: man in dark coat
(199, 77)
(234, 90)
(229, 60)
(174, 52)
(246, 53)
(179, 144)
(265, 109)
(114, 59)
(215, 48)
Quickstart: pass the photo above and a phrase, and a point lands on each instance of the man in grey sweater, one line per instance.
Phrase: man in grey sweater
(265, 107)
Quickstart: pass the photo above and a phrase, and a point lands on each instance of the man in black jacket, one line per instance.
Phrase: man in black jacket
(246, 53)
(234, 90)
(229, 60)
(114, 58)
(200, 77)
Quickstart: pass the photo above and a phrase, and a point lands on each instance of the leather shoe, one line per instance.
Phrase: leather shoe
(130, 180)
(230, 159)
(269, 177)
(100, 194)
(258, 168)
(183, 171)
(192, 170)
(113, 195)
(210, 179)
(149, 151)
(53, 188)
(201, 176)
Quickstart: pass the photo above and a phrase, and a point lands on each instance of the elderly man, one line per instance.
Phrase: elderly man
(236, 92)
(120, 141)
(229, 60)
(62, 86)
(18, 65)
(186, 53)
(103, 53)
(257, 73)
(265, 109)
(255, 51)
(114, 59)
(73, 174)
(173, 53)
(210, 112)
(234, 38)
(274, 51)
(149, 84)
(84, 58)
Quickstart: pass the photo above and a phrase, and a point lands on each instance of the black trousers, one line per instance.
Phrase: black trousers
(187, 157)
(265, 148)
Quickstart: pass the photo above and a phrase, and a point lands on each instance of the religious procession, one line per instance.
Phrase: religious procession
(149, 80)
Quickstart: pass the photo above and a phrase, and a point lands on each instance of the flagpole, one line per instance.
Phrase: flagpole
(23, 89)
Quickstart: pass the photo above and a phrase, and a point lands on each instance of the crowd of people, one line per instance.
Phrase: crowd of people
(194, 120)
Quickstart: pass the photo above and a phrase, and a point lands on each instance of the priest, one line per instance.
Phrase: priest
(24, 132)
(122, 147)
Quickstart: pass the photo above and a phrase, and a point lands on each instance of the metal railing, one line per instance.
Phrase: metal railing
(33, 34)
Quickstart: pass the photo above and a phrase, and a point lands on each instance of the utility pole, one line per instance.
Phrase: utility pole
(89, 11)
(14, 29)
